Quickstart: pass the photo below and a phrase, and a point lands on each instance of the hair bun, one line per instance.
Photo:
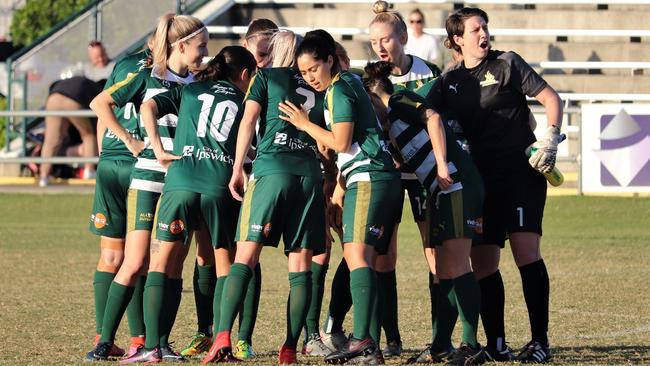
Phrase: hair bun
(380, 7)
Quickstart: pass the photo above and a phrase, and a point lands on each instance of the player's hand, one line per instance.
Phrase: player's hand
(544, 151)
(335, 213)
(295, 115)
(444, 179)
(237, 184)
(165, 158)
(134, 146)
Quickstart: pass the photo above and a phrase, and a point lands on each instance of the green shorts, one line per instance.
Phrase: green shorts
(456, 215)
(418, 196)
(370, 212)
(180, 212)
(291, 206)
(109, 205)
(141, 209)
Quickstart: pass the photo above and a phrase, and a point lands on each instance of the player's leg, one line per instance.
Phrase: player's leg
(314, 345)
(56, 128)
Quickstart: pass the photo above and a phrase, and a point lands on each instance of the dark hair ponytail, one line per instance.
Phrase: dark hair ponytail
(228, 64)
(376, 79)
(320, 45)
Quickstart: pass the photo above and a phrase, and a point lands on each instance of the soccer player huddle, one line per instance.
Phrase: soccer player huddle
(332, 151)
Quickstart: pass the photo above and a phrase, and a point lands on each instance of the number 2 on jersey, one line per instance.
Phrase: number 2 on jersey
(222, 118)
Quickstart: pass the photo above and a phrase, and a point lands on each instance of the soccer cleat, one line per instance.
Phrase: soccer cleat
(101, 352)
(353, 348)
(427, 356)
(287, 355)
(534, 352)
(377, 358)
(143, 356)
(467, 355)
(169, 355)
(115, 351)
(201, 343)
(136, 343)
(244, 350)
(492, 354)
(334, 340)
(315, 347)
(393, 349)
(221, 350)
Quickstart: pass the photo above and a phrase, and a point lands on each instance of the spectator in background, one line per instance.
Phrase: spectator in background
(420, 44)
(75, 93)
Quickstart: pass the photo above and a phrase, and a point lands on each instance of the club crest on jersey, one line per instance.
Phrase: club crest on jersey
(489, 80)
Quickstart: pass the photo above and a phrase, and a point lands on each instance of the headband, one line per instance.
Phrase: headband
(171, 45)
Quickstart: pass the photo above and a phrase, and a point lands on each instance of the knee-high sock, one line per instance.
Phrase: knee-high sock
(204, 281)
(340, 299)
(233, 294)
(534, 280)
(154, 296)
(101, 284)
(216, 302)
(388, 288)
(297, 305)
(250, 306)
(446, 315)
(492, 309)
(134, 312)
(362, 287)
(468, 298)
(173, 290)
(318, 274)
(376, 320)
(118, 299)
(434, 293)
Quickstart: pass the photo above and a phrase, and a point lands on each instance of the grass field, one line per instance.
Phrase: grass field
(597, 251)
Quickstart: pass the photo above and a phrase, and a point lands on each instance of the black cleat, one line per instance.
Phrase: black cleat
(169, 355)
(432, 356)
(393, 349)
(534, 352)
(353, 348)
(467, 355)
(101, 352)
(492, 354)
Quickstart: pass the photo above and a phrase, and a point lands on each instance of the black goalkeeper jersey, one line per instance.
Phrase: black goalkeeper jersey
(489, 102)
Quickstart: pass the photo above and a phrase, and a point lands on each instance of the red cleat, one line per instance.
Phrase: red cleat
(287, 355)
(221, 350)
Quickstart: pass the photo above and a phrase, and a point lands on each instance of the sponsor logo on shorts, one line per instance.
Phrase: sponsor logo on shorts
(176, 227)
(146, 217)
(376, 231)
(257, 228)
(163, 227)
(267, 230)
(476, 224)
(99, 220)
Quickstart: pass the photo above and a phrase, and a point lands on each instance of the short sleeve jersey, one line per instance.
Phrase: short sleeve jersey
(368, 158)
(112, 147)
(148, 174)
(409, 131)
(420, 73)
(281, 148)
(209, 113)
(489, 102)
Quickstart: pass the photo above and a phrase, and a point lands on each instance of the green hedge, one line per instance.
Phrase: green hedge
(37, 17)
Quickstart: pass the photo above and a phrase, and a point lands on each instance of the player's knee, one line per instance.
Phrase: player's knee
(111, 260)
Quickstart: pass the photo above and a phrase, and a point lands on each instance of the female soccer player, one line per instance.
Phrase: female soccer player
(180, 44)
(456, 204)
(257, 40)
(368, 184)
(486, 93)
(283, 198)
(388, 37)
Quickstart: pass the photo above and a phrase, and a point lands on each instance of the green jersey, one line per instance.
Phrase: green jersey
(409, 131)
(112, 147)
(368, 158)
(281, 148)
(209, 113)
(148, 174)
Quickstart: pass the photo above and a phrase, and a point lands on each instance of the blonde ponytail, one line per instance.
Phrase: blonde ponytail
(173, 29)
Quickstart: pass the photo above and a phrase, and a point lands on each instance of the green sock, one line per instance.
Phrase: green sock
(216, 302)
(340, 299)
(233, 294)
(445, 319)
(204, 283)
(154, 295)
(101, 284)
(173, 290)
(388, 284)
(434, 293)
(134, 312)
(297, 305)
(248, 310)
(318, 274)
(376, 321)
(468, 298)
(362, 287)
(118, 300)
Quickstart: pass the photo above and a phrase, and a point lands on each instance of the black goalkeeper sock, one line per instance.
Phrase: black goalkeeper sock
(534, 280)
(492, 308)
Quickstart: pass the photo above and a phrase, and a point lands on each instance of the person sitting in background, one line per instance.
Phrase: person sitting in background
(420, 44)
(75, 93)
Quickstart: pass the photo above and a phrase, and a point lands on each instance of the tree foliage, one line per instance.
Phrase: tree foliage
(37, 17)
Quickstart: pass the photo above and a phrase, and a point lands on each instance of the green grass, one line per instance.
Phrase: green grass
(596, 250)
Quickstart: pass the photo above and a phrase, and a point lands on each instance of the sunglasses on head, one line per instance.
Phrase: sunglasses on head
(416, 21)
